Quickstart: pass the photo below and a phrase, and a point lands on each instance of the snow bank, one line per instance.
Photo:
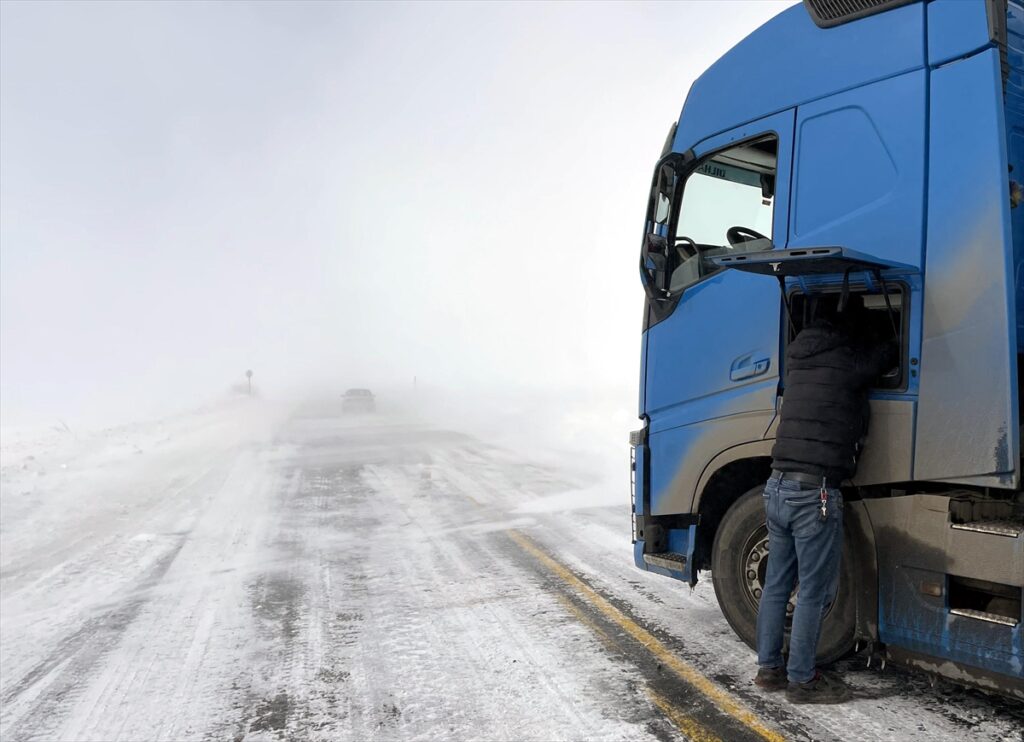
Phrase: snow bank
(57, 482)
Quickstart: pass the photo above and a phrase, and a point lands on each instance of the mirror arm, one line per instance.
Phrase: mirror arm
(654, 293)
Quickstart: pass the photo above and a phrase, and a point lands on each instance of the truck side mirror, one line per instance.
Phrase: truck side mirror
(656, 251)
(654, 265)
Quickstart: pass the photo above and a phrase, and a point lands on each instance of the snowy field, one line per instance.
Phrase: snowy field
(439, 570)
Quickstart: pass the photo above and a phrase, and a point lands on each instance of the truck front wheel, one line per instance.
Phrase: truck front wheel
(739, 559)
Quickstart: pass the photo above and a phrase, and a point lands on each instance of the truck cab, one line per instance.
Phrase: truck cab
(873, 147)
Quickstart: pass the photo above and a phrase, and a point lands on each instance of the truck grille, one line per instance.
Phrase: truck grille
(828, 13)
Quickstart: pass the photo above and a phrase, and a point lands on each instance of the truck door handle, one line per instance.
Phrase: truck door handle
(747, 367)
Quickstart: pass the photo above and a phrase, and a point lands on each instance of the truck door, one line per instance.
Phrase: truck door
(712, 340)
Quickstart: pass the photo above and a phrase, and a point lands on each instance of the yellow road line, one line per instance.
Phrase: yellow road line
(685, 724)
(687, 672)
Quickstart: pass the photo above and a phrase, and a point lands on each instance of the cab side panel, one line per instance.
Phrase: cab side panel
(967, 425)
(859, 178)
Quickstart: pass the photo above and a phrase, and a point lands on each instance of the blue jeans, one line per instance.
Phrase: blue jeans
(801, 547)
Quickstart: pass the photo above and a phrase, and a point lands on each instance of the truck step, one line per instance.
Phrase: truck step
(1008, 528)
(984, 616)
(666, 560)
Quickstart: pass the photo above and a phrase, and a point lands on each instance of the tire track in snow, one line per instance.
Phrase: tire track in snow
(156, 666)
(32, 712)
(441, 637)
(169, 677)
(455, 562)
(293, 684)
(482, 561)
(34, 704)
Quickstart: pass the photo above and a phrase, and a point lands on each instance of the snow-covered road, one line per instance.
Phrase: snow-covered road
(251, 574)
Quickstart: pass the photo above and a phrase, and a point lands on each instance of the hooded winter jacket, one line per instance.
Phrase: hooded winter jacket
(824, 414)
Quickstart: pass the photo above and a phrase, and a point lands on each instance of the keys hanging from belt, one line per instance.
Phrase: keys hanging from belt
(823, 513)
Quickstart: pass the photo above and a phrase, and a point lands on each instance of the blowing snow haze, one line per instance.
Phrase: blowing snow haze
(346, 197)
(341, 193)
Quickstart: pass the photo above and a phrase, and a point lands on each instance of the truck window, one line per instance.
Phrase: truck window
(725, 208)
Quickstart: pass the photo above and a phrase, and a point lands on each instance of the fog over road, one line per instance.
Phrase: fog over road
(302, 574)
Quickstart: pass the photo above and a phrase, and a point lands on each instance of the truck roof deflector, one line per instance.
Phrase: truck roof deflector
(805, 261)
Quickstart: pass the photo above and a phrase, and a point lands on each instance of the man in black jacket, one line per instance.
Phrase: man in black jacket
(829, 367)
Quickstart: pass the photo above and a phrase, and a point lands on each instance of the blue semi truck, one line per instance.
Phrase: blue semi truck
(877, 143)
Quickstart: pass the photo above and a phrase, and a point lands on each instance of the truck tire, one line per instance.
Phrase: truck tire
(738, 561)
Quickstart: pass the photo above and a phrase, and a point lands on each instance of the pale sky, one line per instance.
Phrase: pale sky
(341, 192)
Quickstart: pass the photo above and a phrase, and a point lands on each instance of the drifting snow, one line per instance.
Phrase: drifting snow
(252, 571)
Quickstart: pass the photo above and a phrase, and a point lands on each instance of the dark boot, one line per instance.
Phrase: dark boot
(821, 689)
(771, 678)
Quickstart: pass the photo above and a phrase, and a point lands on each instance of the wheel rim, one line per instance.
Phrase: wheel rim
(754, 567)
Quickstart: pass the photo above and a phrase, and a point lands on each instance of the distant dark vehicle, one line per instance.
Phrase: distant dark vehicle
(358, 400)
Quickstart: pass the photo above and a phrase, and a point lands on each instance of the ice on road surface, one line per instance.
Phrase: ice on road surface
(253, 571)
